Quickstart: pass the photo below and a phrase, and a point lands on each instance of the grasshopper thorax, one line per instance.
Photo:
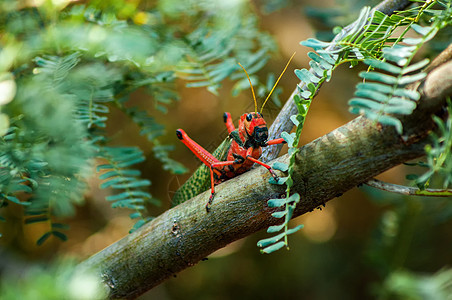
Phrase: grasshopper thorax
(253, 129)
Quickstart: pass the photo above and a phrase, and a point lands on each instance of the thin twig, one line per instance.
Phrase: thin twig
(406, 190)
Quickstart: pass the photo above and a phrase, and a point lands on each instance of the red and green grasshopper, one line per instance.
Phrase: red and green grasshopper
(235, 156)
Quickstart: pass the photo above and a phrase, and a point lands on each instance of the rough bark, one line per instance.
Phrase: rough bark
(325, 168)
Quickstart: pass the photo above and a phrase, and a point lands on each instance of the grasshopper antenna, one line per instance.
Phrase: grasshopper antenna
(276, 83)
(252, 89)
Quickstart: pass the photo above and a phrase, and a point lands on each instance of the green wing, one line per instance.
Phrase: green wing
(200, 180)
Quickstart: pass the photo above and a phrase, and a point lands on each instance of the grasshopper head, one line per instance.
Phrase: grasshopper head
(253, 127)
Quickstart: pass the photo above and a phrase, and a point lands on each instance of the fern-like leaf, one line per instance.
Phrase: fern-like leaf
(57, 67)
(211, 59)
(119, 176)
(152, 130)
(384, 95)
(438, 153)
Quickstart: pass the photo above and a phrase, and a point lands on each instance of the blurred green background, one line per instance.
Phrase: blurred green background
(365, 244)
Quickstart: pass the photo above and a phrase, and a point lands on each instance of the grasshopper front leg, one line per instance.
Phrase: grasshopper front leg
(269, 168)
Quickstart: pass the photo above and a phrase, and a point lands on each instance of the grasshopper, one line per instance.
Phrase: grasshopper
(236, 155)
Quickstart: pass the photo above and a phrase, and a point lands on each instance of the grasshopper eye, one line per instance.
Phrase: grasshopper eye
(260, 114)
(249, 117)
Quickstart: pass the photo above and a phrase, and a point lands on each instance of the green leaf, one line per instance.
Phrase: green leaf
(280, 166)
(273, 248)
(104, 166)
(290, 209)
(137, 225)
(358, 25)
(60, 235)
(295, 229)
(279, 214)
(377, 96)
(119, 173)
(281, 180)
(294, 120)
(379, 17)
(21, 188)
(131, 162)
(32, 220)
(413, 41)
(306, 76)
(398, 53)
(113, 181)
(288, 138)
(127, 194)
(17, 201)
(289, 181)
(301, 118)
(276, 202)
(322, 62)
(305, 94)
(36, 212)
(275, 228)
(132, 184)
(330, 58)
(408, 105)
(302, 106)
(413, 78)
(292, 151)
(301, 110)
(130, 203)
(413, 95)
(271, 240)
(361, 102)
(294, 198)
(197, 84)
(383, 66)
(378, 77)
(416, 66)
(135, 215)
(374, 86)
(316, 68)
(420, 29)
(388, 120)
(60, 226)
(358, 53)
(43, 238)
(311, 87)
(314, 44)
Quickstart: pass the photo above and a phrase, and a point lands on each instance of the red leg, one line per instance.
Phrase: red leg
(276, 141)
(216, 165)
(228, 121)
(204, 155)
(212, 190)
(207, 158)
(249, 157)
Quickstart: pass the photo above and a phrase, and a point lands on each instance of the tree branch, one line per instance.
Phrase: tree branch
(325, 168)
(408, 191)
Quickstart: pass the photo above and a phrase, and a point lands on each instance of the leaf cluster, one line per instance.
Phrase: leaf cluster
(63, 68)
(371, 39)
(438, 155)
(382, 97)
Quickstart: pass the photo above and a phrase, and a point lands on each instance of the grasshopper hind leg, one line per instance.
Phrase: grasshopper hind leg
(212, 190)
(209, 203)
